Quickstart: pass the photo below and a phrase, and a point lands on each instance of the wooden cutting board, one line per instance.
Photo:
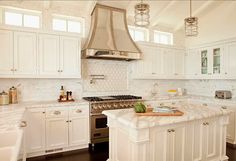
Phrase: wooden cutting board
(150, 113)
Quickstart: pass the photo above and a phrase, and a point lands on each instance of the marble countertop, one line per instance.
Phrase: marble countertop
(231, 101)
(191, 112)
(12, 115)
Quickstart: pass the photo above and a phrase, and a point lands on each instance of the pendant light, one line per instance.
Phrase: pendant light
(191, 24)
(142, 16)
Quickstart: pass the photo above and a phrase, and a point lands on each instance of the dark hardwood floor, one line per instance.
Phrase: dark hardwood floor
(100, 153)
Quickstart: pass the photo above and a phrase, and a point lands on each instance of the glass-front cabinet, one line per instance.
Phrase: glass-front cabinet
(204, 62)
(211, 61)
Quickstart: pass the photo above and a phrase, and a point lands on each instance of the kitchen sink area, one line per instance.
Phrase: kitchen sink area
(10, 144)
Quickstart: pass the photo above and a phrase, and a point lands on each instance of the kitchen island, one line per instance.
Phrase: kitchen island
(200, 134)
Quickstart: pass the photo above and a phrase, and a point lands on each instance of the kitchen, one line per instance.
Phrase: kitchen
(71, 69)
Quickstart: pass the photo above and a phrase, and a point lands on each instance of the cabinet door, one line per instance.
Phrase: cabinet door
(49, 54)
(231, 129)
(204, 54)
(179, 63)
(70, 64)
(25, 55)
(168, 63)
(211, 139)
(176, 143)
(6, 47)
(35, 131)
(56, 133)
(192, 64)
(78, 131)
(231, 57)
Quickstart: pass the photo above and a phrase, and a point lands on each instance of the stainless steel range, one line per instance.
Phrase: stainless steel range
(98, 122)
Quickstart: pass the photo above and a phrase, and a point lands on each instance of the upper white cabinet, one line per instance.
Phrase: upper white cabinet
(6, 46)
(192, 64)
(230, 60)
(49, 54)
(70, 56)
(212, 61)
(159, 63)
(34, 55)
(19, 54)
(25, 53)
(59, 56)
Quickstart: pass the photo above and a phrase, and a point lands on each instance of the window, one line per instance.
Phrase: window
(68, 24)
(138, 34)
(163, 38)
(21, 18)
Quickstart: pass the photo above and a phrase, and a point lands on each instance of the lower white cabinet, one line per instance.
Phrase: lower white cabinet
(78, 131)
(35, 131)
(57, 129)
(56, 133)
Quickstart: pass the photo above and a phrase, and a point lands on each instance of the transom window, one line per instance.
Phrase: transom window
(163, 37)
(21, 17)
(138, 33)
(68, 24)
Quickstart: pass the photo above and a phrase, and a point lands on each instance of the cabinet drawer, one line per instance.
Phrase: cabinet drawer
(56, 112)
(79, 111)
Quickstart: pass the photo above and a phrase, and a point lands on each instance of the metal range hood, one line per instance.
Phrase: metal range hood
(109, 37)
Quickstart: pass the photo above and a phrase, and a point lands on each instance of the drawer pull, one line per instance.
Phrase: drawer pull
(57, 112)
(204, 104)
(78, 111)
(23, 124)
(224, 107)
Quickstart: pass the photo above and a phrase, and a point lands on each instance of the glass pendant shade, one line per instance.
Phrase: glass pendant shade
(191, 26)
(141, 17)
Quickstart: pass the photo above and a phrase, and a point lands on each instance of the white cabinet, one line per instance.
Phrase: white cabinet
(212, 62)
(56, 133)
(79, 126)
(18, 54)
(59, 56)
(151, 64)
(159, 63)
(6, 46)
(70, 56)
(230, 60)
(25, 53)
(49, 54)
(175, 144)
(35, 131)
(192, 64)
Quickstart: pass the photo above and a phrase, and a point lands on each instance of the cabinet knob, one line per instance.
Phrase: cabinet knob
(43, 112)
(67, 121)
(226, 73)
(224, 107)
(59, 71)
(78, 111)
(23, 124)
(153, 73)
(70, 121)
(204, 104)
(15, 70)
(209, 73)
(12, 70)
(169, 130)
(57, 112)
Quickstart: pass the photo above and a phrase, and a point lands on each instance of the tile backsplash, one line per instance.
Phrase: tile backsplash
(116, 81)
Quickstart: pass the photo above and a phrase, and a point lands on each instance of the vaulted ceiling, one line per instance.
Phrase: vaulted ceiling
(167, 13)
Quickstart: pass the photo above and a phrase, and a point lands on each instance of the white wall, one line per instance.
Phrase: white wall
(217, 24)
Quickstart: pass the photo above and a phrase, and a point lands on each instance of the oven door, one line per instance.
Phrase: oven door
(99, 129)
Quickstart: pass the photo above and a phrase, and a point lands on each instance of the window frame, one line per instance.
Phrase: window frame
(140, 29)
(170, 37)
(81, 20)
(23, 12)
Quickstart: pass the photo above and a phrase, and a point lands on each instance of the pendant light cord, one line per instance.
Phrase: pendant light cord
(190, 8)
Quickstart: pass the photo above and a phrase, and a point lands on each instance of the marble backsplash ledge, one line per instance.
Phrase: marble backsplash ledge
(42, 89)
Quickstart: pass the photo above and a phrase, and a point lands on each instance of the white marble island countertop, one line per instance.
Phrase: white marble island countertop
(191, 112)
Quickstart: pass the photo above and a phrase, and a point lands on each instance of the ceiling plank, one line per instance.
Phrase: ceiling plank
(156, 19)
(201, 9)
(90, 6)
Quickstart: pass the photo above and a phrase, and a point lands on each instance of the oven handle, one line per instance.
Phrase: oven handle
(96, 114)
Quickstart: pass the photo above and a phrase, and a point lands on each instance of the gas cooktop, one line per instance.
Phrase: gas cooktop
(110, 98)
